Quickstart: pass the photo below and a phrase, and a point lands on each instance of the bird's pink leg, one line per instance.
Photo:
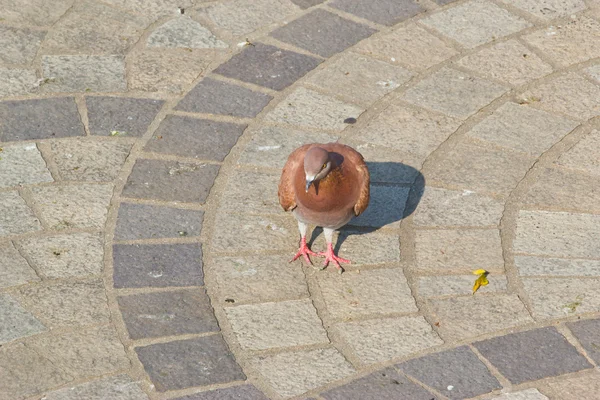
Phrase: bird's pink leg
(331, 257)
(304, 251)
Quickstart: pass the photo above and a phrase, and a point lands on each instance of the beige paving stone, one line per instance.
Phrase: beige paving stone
(522, 128)
(23, 372)
(119, 387)
(241, 232)
(386, 207)
(577, 387)
(454, 93)
(561, 234)
(166, 71)
(154, 8)
(73, 206)
(548, 9)
(65, 256)
(565, 189)
(256, 191)
(238, 17)
(415, 133)
(531, 265)
(569, 43)
(89, 160)
(22, 165)
(184, 32)
(90, 28)
(370, 248)
(307, 108)
(276, 325)
(442, 207)
(84, 353)
(470, 316)
(33, 12)
(15, 215)
(528, 394)
(445, 285)
(83, 73)
(583, 156)
(560, 297)
(568, 94)
(377, 340)
(466, 164)
(386, 165)
(259, 278)
(509, 61)
(291, 374)
(458, 250)
(360, 78)
(14, 269)
(380, 291)
(271, 146)
(475, 22)
(65, 304)
(17, 81)
(409, 45)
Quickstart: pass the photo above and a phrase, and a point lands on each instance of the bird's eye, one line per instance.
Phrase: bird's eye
(324, 165)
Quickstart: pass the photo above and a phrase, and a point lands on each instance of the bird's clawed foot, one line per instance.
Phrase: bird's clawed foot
(331, 257)
(304, 251)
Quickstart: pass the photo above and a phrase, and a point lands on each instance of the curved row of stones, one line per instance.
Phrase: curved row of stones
(427, 101)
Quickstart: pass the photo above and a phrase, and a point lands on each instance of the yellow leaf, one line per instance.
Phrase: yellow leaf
(481, 280)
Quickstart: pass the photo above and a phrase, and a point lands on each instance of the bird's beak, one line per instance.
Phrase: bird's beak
(308, 183)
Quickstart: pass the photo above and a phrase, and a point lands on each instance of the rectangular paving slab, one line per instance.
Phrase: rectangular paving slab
(170, 181)
(167, 313)
(212, 96)
(127, 115)
(197, 138)
(159, 265)
(192, 362)
(120, 387)
(39, 119)
(335, 34)
(386, 384)
(241, 392)
(386, 12)
(532, 355)
(144, 221)
(456, 373)
(267, 66)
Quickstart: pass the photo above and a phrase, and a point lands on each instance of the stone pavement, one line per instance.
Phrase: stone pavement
(143, 253)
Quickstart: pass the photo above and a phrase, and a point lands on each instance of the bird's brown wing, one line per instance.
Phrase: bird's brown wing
(286, 192)
(364, 181)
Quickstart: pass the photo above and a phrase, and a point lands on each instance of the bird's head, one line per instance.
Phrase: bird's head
(317, 164)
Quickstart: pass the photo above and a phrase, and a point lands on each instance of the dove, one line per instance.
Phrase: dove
(324, 185)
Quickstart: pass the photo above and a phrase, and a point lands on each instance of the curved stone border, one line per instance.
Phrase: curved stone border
(160, 240)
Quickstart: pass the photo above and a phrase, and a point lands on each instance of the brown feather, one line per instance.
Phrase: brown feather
(332, 201)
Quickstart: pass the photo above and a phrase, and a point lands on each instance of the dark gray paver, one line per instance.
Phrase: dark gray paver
(532, 355)
(242, 392)
(187, 363)
(304, 4)
(142, 221)
(192, 137)
(167, 313)
(127, 115)
(268, 66)
(386, 12)
(386, 384)
(588, 333)
(334, 34)
(39, 119)
(216, 97)
(158, 265)
(458, 368)
(170, 181)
